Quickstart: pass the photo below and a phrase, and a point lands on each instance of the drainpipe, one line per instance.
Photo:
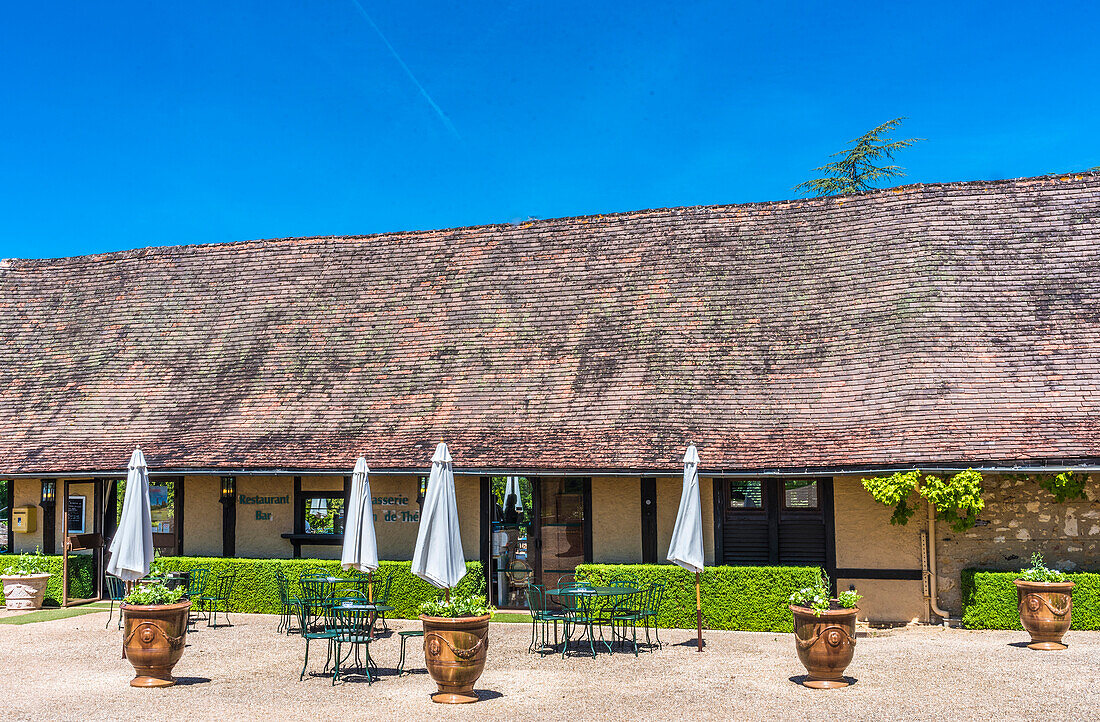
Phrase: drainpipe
(933, 595)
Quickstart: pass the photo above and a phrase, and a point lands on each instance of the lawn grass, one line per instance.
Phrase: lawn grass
(48, 615)
(513, 617)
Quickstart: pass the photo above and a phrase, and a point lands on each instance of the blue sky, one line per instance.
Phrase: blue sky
(135, 124)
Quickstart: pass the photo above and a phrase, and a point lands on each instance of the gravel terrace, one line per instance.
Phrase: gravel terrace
(71, 669)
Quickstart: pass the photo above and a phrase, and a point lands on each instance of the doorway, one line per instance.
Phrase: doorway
(540, 529)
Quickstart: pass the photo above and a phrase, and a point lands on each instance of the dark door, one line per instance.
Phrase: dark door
(649, 520)
(776, 521)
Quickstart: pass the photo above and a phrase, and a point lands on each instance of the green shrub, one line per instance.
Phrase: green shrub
(254, 590)
(989, 600)
(745, 598)
(81, 584)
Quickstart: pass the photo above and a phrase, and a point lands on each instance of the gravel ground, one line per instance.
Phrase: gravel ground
(71, 669)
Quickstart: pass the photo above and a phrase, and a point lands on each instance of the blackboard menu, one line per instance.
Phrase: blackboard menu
(74, 514)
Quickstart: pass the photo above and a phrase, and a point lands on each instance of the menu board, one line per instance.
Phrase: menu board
(74, 515)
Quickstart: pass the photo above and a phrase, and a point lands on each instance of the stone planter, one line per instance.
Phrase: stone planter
(24, 592)
(454, 653)
(1046, 611)
(826, 644)
(153, 640)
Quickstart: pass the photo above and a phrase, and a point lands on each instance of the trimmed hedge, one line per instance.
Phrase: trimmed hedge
(81, 585)
(989, 600)
(254, 590)
(752, 599)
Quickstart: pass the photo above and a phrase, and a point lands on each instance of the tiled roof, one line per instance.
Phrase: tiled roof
(923, 324)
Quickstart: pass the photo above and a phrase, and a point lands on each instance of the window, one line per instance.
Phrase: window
(800, 495)
(746, 495)
(324, 513)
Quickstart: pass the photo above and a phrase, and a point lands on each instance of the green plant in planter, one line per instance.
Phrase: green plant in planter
(467, 605)
(152, 594)
(1039, 572)
(818, 599)
(27, 564)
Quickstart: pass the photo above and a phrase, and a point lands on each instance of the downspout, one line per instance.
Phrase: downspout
(933, 594)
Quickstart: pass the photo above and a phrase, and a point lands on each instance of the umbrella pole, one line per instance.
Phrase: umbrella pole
(370, 586)
(699, 611)
(447, 594)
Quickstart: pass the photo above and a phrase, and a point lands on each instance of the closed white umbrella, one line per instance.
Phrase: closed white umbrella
(360, 550)
(132, 547)
(686, 548)
(438, 558)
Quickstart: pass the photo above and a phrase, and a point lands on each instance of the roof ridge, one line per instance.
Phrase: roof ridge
(896, 190)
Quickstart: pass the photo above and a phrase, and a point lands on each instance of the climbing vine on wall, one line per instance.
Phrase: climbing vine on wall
(1065, 486)
(956, 501)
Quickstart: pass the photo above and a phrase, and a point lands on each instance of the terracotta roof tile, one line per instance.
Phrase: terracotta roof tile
(955, 322)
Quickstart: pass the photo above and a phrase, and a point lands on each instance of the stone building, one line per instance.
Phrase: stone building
(800, 345)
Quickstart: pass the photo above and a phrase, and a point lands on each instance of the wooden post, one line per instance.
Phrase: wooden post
(699, 612)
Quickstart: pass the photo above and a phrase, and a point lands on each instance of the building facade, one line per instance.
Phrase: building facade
(801, 345)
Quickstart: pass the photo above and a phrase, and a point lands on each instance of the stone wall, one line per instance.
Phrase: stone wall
(1020, 518)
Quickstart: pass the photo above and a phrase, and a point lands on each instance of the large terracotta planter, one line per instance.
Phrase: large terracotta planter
(454, 653)
(1046, 611)
(826, 644)
(24, 592)
(153, 640)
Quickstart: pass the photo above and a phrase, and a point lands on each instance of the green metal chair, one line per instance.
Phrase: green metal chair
(541, 617)
(116, 592)
(221, 590)
(405, 636)
(630, 610)
(315, 622)
(196, 585)
(287, 602)
(578, 612)
(382, 599)
(352, 626)
(652, 610)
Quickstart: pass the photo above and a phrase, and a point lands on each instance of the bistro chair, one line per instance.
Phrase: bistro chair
(317, 595)
(116, 592)
(315, 622)
(651, 610)
(196, 585)
(352, 625)
(405, 636)
(577, 610)
(630, 610)
(287, 603)
(221, 589)
(541, 617)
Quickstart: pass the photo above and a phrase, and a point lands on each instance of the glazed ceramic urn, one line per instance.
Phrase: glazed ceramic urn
(154, 637)
(24, 591)
(826, 643)
(454, 653)
(1046, 611)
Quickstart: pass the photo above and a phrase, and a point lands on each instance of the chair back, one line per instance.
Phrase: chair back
(223, 586)
(656, 598)
(350, 625)
(196, 582)
(536, 598)
(382, 590)
(116, 588)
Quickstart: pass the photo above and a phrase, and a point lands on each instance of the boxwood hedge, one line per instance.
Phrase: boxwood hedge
(743, 598)
(80, 577)
(989, 600)
(254, 589)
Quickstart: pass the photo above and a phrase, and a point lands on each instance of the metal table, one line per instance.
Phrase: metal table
(582, 607)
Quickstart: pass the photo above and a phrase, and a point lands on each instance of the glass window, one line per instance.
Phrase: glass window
(800, 494)
(324, 514)
(512, 564)
(746, 494)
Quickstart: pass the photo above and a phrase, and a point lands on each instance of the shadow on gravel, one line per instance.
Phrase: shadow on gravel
(487, 694)
(800, 678)
(187, 681)
(693, 642)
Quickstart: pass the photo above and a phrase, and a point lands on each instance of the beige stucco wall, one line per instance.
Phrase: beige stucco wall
(28, 492)
(616, 520)
(468, 495)
(865, 539)
(202, 516)
(263, 537)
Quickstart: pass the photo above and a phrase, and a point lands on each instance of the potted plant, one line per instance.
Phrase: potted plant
(1045, 601)
(24, 581)
(155, 632)
(824, 633)
(456, 639)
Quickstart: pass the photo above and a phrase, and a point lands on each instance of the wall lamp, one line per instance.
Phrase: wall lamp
(49, 492)
(229, 488)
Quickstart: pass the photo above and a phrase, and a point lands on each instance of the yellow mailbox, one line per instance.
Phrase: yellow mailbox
(23, 519)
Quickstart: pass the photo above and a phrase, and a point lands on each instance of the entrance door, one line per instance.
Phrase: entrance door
(512, 564)
(775, 521)
(563, 534)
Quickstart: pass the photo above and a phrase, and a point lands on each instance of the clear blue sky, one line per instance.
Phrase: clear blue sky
(148, 123)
